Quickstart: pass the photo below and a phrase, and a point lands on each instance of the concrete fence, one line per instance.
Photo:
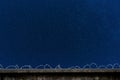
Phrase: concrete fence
(60, 74)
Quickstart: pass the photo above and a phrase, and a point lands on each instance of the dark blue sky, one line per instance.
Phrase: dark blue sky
(66, 32)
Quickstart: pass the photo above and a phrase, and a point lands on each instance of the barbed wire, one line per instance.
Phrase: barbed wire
(47, 66)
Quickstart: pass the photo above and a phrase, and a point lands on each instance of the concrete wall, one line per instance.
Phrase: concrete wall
(90, 74)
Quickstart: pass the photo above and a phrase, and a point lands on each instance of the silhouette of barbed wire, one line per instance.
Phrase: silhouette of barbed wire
(12, 67)
(116, 65)
(58, 67)
(102, 67)
(77, 67)
(110, 66)
(47, 66)
(39, 67)
(86, 66)
(93, 65)
(1, 66)
(74, 67)
(26, 67)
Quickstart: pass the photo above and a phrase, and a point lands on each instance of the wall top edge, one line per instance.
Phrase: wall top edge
(59, 70)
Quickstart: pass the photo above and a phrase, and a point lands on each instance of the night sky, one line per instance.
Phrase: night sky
(65, 32)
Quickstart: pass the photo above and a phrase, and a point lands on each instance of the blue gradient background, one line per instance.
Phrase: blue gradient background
(66, 32)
